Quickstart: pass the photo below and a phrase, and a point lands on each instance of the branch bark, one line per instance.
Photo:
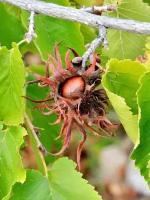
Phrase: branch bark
(99, 9)
(31, 33)
(36, 146)
(101, 39)
(80, 16)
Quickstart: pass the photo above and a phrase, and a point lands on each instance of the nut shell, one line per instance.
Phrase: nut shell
(73, 87)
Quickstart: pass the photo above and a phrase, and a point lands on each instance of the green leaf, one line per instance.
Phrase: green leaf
(58, 186)
(12, 79)
(35, 187)
(123, 44)
(121, 84)
(84, 2)
(51, 31)
(11, 168)
(11, 29)
(67, 184)
(142, 153)
(88, 33)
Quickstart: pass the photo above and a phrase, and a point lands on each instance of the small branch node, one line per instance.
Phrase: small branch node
(30, 35)
(99, 9)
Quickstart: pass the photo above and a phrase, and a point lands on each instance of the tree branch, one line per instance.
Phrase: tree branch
(31, 128)
(77, 15)
(37, 147)
(101, 39)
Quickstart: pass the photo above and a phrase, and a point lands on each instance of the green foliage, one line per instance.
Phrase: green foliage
(35, 187)
(146, 1)
(11, 29)
(12, 79)
(122, 77)
(147, 54)
(11, 168)
(57, 186)
(121, 84)
(66, 182)
(142, 153)
(123, 44)
(88, 33)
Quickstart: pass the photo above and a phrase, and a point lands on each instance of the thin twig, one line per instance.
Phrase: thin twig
(36, 145)
(31, 128)
(101, 39)
(30, 35)
(99, 9)
(77, 15)
(103, 34)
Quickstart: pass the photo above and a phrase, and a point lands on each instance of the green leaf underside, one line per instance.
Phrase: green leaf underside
(11, 168)
(12, 79)
(51, 31)
(121, 84)
(128, 120)
(123, 44)
(142, 153)
(58, 185)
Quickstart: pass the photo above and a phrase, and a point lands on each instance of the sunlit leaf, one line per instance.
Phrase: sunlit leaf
(11, 168)
(121, 84)
(142, 153)
(11, 29)
(147, 54)
(58, 185)
(67, 184)
(12, 79)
